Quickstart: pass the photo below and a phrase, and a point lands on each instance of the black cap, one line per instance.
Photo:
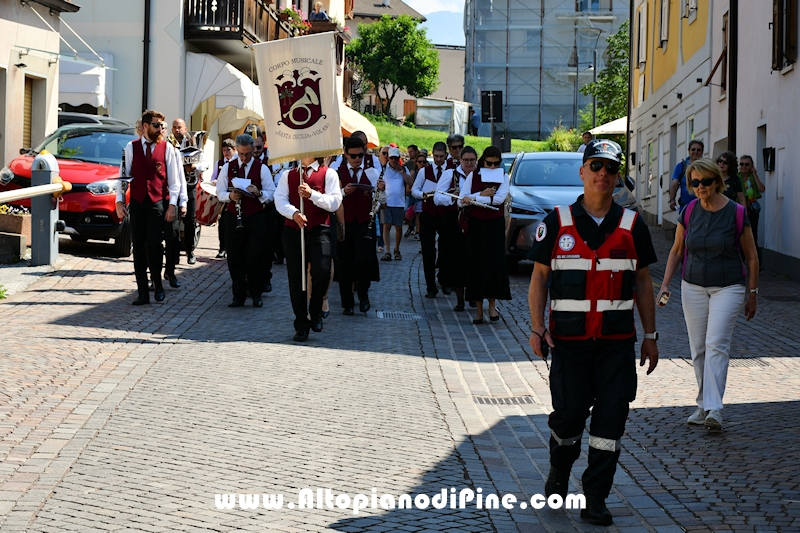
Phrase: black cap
(603, 149)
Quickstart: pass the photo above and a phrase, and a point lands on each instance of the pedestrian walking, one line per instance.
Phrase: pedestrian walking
(696, 148)
(430, 220)
(228, 155)
(753, 188)
(712, 233)
(594, 257)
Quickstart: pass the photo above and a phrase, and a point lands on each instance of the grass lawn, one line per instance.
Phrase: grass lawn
(403, 136)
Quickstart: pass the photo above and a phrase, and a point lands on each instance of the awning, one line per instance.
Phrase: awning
(84, 82)
(351, 120)
(615, 127)
(234, 98)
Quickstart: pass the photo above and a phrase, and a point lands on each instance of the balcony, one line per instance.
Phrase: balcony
(224, 27)
(342, 38)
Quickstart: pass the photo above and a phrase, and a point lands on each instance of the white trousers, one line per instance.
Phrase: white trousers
(710, 314)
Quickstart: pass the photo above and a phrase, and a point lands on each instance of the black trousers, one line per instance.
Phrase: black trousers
(247, 253)
(591, 374)
(221, 232)
(172, 249)
(318, 256)
(429, 227)
(147, 228)
(190, 222)
(356, 262)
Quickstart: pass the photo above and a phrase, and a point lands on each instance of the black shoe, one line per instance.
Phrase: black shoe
(151, 287)
(316, 325)
(142, 300)
(459, 307)
(160, 294)
(477, 320)
(348, 311)
(446, 291)
(268, 287)
(236, 302)
(363, 306)
(326, 314)
(221, 254)
(301, 336)
(173, 281)
(191, 259)
(494, 318)
(257, 302)
(557, 482)
(431, 294)
(596, 511)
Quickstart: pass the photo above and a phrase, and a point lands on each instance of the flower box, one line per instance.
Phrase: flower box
(18, 224)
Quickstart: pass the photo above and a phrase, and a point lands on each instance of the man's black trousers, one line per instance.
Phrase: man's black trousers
(318, 256)
(429, 226)
(247, 252)
(147, 229)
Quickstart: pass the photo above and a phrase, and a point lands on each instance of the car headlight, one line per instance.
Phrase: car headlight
(102, 187)
(6, 176)
(528, 210)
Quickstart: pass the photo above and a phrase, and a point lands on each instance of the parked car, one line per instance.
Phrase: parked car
(89, 157)
(539, 181)
(508, 159)
(66, 117)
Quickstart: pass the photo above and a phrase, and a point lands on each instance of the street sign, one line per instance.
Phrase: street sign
(491, 106)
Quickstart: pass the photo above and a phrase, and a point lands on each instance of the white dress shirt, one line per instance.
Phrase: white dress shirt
(370, 173)
(444, 186)
(499, 197)
(328, 201)
(267, 186)
(215, 172)
(174, 170)
(422, 185)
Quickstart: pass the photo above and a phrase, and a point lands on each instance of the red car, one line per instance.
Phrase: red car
(89, 157)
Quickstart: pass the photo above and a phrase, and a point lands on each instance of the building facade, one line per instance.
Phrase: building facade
(539, 54)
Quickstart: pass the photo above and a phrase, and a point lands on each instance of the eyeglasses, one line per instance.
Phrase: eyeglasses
(245, 154)
(492, 163)
(468, 160)
(457, 147)
(359, 155)
(596, 166)
(745, 164)
(158, 125)
(705, 181)
(722, 161)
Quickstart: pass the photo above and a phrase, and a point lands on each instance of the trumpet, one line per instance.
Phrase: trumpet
(471, 202)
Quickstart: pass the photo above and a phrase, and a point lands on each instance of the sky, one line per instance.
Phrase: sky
(445, 19)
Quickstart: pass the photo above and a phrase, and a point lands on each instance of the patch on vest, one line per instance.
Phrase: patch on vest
(566, 242)
(618, 254)
(159, 167)
(541, 232)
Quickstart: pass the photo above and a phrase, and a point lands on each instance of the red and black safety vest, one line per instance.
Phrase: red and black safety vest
(592, 291)
(250, 206)
(149, 177)
(357, 205)
(315, 215)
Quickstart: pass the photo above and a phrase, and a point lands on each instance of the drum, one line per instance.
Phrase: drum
(208, 206)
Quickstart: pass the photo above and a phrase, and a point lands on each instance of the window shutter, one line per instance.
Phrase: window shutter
(777, 35)
(692, 5)
(684, 9)
(643, 35)
(790, 31)
(664, 21)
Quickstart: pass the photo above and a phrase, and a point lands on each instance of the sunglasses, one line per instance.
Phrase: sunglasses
(457, 147)
(158, 125)
(744, 164)
(705, 181)
(492, 163)
(385, 154)
(696, 150)
(596, 166)
(722, 162)
(359, 155)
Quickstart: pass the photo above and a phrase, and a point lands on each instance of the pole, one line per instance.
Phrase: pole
(303, 266)
(491, 115)
(594, 84)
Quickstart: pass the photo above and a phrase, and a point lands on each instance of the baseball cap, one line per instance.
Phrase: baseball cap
(603, 149)
(394, 152)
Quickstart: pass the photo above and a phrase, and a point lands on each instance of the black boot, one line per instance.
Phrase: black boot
(557, 482)
(596, 511)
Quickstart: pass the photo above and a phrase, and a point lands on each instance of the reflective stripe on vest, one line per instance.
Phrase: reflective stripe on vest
(576, 306)
(614, 305)
(616, 264)
(628, 216)
(564, 215)
(571, 264)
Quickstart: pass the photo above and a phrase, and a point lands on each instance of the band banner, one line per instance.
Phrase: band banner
(297, 79)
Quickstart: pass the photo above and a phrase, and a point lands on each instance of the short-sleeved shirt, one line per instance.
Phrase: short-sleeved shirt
(678, 174)
(734, 184)
(594, 235)
(712, 258)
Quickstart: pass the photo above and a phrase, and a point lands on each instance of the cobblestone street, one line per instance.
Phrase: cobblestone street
(122, 418)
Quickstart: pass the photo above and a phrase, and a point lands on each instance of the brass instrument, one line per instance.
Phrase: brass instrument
(378, 198)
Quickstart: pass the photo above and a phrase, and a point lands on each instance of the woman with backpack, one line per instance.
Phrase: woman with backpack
(711, 233)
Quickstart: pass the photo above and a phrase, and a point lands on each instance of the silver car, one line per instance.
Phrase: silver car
(539, 182)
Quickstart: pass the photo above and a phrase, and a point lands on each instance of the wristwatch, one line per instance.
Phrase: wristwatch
(651, 336)
(754, 291)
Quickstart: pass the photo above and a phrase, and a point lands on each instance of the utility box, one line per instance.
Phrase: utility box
(44, 213)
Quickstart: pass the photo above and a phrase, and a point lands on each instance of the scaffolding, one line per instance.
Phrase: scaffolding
(539, 53)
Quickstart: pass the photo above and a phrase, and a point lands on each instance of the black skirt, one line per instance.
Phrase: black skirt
(487, 272)
(452, 252)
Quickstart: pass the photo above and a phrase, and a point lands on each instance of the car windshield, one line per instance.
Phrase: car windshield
(88, 144)
(548, 172)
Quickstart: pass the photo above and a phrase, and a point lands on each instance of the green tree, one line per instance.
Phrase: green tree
(611, 87)
(395, 54)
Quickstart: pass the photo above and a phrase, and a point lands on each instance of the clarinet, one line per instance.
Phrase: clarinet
(239, 224)
(376, 202)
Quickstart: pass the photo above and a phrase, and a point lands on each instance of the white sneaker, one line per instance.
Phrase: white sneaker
(713, 420)
(698, 418)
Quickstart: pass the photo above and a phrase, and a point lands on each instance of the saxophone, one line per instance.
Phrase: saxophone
(377, 199)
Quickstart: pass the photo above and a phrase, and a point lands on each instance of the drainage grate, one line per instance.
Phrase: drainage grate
(400, 315)
(503, 400)
(749, 362)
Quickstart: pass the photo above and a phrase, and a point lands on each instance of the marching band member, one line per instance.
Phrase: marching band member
(487, 274)
(322, 196)
(356, 259)
(431, 216)
(246, 231)
(455, 143)
(155, 188)
(228, 155)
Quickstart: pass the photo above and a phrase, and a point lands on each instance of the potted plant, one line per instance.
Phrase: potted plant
(17, 220)
(296, 19)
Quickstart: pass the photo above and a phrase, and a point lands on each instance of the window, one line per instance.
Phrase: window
(582, 6)
(689, 130)
(664, 22)
(642, 50)
(533, 40)
(784, 33)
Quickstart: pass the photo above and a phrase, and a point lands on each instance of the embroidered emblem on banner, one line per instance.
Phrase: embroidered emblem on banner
(541, 231)
(566, 242)
(299, 99)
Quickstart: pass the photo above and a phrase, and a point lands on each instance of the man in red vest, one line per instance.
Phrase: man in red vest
(595, 255)
(247, 222)
(319, 187)
(155, 166)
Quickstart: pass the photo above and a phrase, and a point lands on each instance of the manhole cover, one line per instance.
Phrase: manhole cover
(503, 400)
(750, 362)
(401, 315)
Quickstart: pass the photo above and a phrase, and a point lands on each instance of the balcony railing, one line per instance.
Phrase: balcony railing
(250, 21)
